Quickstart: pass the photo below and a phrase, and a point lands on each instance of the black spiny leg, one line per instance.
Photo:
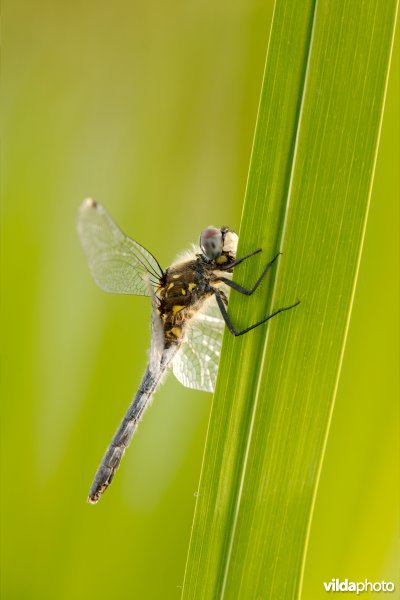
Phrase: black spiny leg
(238, 260)
(243, 290)
(227, 320)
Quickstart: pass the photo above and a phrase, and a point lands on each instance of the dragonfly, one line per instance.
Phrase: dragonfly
(189, 311)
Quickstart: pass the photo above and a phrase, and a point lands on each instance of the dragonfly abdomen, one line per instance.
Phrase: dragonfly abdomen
(122, 437)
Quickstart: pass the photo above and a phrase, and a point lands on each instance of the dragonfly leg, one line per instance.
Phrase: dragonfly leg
(224, 297)
(246, 291)
(239, 260)
(229, 323)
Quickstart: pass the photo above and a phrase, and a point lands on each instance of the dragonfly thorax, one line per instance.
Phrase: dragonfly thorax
(183, 289)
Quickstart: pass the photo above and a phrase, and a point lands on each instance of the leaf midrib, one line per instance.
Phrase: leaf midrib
(227, 550)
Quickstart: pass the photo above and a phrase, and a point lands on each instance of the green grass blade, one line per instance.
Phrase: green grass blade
(308, 192)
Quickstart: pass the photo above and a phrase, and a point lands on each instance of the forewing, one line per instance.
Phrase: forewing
(196, 363)
(118, 264)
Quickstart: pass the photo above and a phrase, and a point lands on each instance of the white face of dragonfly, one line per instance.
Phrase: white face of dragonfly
(215, 242)
(230, 243)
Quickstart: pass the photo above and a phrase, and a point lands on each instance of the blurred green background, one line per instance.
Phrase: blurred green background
(151, 110)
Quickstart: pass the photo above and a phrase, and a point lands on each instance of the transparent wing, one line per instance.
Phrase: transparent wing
(118, 264)
(196, 363)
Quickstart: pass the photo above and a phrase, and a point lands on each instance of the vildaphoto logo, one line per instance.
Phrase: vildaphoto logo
(336, 585)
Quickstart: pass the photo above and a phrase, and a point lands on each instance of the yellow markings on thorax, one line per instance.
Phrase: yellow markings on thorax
(221, 259)
(177, 308)
(191, 286)
(175, 331)
(171, 285)
(183, 292)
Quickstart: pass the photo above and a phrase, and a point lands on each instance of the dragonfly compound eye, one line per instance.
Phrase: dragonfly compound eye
(211, 242)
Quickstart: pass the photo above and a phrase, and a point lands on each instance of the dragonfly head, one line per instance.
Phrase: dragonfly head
(215, 243)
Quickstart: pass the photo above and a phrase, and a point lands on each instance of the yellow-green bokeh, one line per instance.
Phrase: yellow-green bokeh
(151, 110)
